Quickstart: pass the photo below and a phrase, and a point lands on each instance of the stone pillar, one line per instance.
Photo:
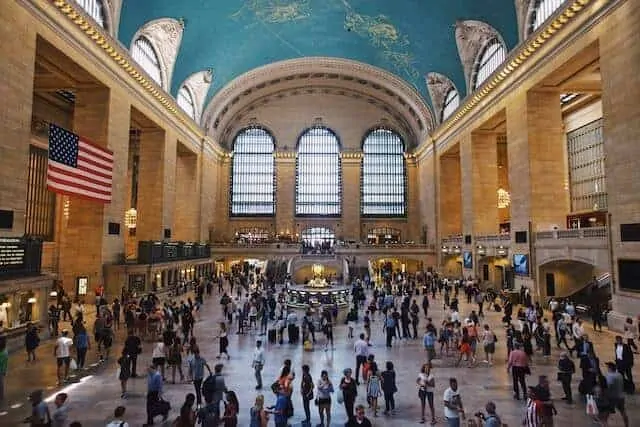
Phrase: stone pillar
(450, 192)
(209, 190)
(17, 69)
(412, 208)
(537, 172)
(83, 230)
(350, 224)
(485, 183)
(187, 206)
(156, 184)
(427, 193)
(620, 68)
(285, 192)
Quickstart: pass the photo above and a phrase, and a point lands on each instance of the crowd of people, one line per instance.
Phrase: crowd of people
(252, 304)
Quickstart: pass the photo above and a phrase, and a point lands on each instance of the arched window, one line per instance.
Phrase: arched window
(185, 101)
(252, 176)
(95, 9)
(542, 10)
(451, 103)
(492, 56)
(383, 174)
(318, 175)
(317, 236)
(145, 55)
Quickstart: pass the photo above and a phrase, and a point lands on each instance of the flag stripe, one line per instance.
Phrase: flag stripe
(95, 160)
(54, 166)
(86, 167)
(92, 166)
(88, 146)
(75, 190)
(73, 179)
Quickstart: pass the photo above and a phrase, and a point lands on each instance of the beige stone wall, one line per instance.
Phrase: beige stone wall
(187, 201)
(450, 195)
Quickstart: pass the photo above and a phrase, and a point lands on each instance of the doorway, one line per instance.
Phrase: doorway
(550, 280)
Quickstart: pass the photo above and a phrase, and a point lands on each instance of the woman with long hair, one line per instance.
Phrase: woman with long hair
(259, 416)
(175, 359)
(325, 389)
(373, 388)
(426, 384)
(125, 372)
(231, 408)
(187, 416)
(389, 388)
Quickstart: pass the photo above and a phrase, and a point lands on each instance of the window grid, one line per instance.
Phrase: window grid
(185, 101)
(145, 55)
(542, 11)
(313, 236)
(585, 149)
(41, 203)
(252, 176)
(318, 174)
(383, 175)
(95, 9)
(451, 103)
(492, 56)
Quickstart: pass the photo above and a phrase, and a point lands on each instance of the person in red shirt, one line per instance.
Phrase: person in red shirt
(518, 364)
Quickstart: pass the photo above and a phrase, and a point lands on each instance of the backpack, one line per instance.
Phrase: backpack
(208, 416)
(209, 387)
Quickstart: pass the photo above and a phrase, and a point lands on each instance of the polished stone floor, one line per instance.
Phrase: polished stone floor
(96, 392)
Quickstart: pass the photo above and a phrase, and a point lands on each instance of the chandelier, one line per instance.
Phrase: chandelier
(504, 198)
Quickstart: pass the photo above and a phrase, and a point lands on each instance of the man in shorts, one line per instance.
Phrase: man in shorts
(62, 352)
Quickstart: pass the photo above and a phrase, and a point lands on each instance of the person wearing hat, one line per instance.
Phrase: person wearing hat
(349, 390)
(566, 369)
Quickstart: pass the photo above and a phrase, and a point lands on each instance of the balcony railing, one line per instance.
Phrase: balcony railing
(452, 240)
(493, 238)
(577, 233)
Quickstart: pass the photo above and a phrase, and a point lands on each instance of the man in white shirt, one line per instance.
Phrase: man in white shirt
(361, 349)
(258, 363)
(455, 316)
(118, 418)
(453, 409)
(62, 351)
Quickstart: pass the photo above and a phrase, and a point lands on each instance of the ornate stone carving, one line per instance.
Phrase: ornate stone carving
(199, 84)
(405, 98)
(165, 34)
(471, 37)
(438, 86)
(523, 13)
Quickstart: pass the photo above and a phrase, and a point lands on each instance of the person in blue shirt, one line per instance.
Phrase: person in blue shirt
(429, 342)
(390, 326)
(154, 391)
(280, 409)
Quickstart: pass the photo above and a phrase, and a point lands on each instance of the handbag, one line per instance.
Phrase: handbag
(73, 365)
(591, 407)
(340, 396)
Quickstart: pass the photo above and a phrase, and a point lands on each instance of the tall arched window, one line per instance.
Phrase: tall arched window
(252, 177)
(185, 101)
(492, 56)
(145, 55)
(95, 9)
(451, 103)
(383, 174)
(542, 10)
(318, 175)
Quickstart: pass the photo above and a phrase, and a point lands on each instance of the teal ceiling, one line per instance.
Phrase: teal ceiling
(409, 38)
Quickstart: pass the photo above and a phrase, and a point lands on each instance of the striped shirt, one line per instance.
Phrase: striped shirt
(532, 414)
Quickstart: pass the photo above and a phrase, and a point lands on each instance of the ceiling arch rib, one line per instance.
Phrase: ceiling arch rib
(471, 38)
(198, 85)
(349, 74)
(439, 86)
(165, 34)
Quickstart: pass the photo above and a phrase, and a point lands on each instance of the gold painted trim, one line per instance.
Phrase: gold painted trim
(518, 58)
(124, 61)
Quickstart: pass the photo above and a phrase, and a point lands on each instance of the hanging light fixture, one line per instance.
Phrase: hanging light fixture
(504, 198)
(131, 218)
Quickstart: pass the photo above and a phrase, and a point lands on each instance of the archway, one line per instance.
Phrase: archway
(565, 278)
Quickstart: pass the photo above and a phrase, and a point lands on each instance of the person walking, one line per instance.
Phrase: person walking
(306, 389)
(325, 390)
(258, 415)
(615, 391)
(231, 408)
(566, 369)
(175, 359)
(374, 390)
(31, 341)
(623, 359)
(258, 363)
(196, 368)
(426, 385)
(82, 346)
(223, 341)
(132, 347)
(453, 408)
(361, 348)
(349, 392)
(62, 351)
(518, 365)
(154, 392)
(159, 356)
(489, 344)
(118, 418)
(360, 420)
(389, 388)
(125, 373)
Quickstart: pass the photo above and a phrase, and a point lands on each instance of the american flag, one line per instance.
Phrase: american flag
(78, 167)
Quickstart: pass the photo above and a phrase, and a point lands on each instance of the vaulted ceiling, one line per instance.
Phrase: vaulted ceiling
(408, 38)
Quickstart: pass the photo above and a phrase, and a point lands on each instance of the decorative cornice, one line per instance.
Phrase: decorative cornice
(120, 57)
(165, 34)
(524, 54)
(439, 86)
(285, 154)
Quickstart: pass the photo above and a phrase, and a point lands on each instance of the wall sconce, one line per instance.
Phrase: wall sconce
(53, 294)
(504, 198)
(131, 218)
(158, 276)
(32, 300)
